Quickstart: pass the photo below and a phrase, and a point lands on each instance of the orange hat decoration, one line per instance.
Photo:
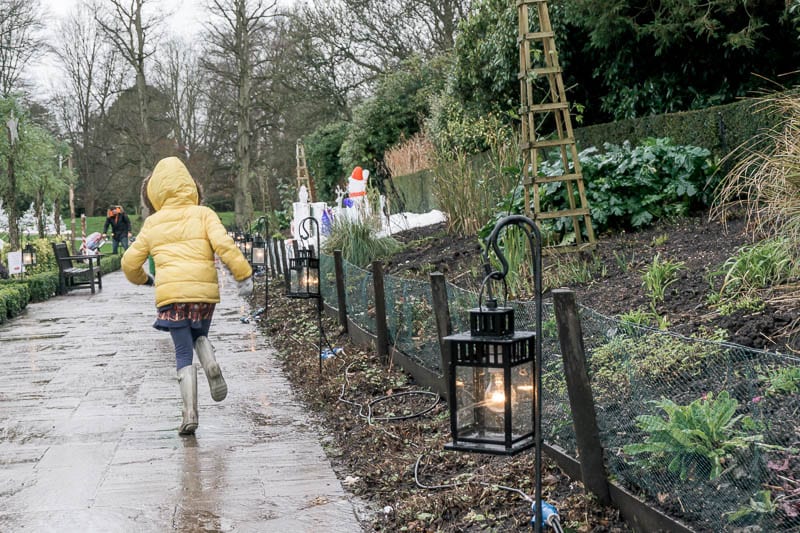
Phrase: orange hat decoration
(357, 174)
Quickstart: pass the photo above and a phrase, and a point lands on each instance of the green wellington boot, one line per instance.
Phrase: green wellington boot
(187, 380)
(205, 352)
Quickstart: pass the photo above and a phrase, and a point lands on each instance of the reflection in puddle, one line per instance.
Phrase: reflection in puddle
(197, 506)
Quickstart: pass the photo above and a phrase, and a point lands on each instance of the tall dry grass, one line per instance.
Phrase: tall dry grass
(765, 182)
(410, 156)
(468, 188)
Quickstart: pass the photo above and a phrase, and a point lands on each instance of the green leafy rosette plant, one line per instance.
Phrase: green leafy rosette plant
(699, 437)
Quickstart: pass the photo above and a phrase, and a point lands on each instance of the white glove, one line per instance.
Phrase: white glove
(245, 287)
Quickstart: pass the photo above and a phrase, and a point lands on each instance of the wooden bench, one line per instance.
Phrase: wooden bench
(76, 271)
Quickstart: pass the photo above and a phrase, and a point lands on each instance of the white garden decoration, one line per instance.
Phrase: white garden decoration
(353, 205)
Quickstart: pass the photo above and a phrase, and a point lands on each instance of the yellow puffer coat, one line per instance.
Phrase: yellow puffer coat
(182, 237)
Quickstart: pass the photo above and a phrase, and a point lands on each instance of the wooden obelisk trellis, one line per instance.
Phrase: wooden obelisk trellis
(303, 177)
(546, 124)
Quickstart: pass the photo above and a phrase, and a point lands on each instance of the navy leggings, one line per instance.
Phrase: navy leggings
(183, 339)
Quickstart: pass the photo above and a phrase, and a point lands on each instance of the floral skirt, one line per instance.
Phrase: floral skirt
(196, 315)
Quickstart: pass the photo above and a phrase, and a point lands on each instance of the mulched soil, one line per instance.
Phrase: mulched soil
(398, 469)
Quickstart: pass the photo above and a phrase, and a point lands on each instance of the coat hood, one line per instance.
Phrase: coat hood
(172, 185)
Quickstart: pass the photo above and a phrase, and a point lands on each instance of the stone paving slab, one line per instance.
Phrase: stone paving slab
(89, 410)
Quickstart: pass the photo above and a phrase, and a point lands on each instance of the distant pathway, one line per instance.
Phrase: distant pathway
(89, 407)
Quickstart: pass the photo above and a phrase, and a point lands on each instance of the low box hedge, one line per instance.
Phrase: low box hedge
(15, 293)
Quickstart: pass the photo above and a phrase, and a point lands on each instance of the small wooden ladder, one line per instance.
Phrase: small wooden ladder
(539, 61)
(303, 178)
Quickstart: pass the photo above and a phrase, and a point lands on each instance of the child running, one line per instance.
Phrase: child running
(182, 238)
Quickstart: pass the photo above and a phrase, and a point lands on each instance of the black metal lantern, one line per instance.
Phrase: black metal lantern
(494, 373)
(258, 252)
(303, 275)
(29, 255)
(490, 385)
(247, 245)
(304, 266)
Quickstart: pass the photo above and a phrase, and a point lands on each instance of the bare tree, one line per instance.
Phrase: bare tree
(92, 72)
(234, 58)
(20, 40)
(125, 24)
(364, 38)
(179, 76)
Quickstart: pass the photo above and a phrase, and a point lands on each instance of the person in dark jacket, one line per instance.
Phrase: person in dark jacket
(120, 228)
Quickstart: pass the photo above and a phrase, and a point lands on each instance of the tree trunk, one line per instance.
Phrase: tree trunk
(141, 90)
(57, 216)
(243, 200)
(11, 202)
(38, 210)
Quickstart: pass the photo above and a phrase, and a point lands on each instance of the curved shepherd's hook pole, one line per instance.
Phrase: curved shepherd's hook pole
(265, 220)
(535, 243)
(305, 233)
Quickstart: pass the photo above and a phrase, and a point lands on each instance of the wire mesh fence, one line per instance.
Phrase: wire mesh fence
(707, 430)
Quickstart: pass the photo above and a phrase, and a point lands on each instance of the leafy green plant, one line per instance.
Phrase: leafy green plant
(746, 303)
(660, 240)
(651, 357)
(635, 186)
(764, 264)
(643, 318)
(697, 438)
(658, 276)
(359, 242)
(760, 504)
(782, 381)
(467, 187)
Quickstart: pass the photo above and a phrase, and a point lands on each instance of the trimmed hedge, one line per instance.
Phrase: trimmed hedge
(15, 293)
(719, 129)
(13, 300)
(110, 263)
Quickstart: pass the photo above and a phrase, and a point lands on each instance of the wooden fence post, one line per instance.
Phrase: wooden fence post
(284, 263)
(271, 250)
(441, 313)
(381, 329)
(584, 418)
(341, 295)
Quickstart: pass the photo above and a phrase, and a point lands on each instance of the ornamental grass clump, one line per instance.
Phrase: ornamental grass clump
(765, 181)
(359, 241)
(765, 264)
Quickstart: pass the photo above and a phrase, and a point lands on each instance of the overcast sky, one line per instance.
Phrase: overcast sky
(185, 20)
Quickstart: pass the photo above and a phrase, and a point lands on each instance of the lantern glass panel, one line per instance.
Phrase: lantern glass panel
(522, 385)
(295, 271)
(311, 280)
(28, 255)
(259, 256)
(492, 403)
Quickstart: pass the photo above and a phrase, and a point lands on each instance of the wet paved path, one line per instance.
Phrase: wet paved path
(89, 407)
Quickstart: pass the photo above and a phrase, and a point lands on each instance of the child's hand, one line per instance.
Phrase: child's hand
(150, 281)
(245, 287)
